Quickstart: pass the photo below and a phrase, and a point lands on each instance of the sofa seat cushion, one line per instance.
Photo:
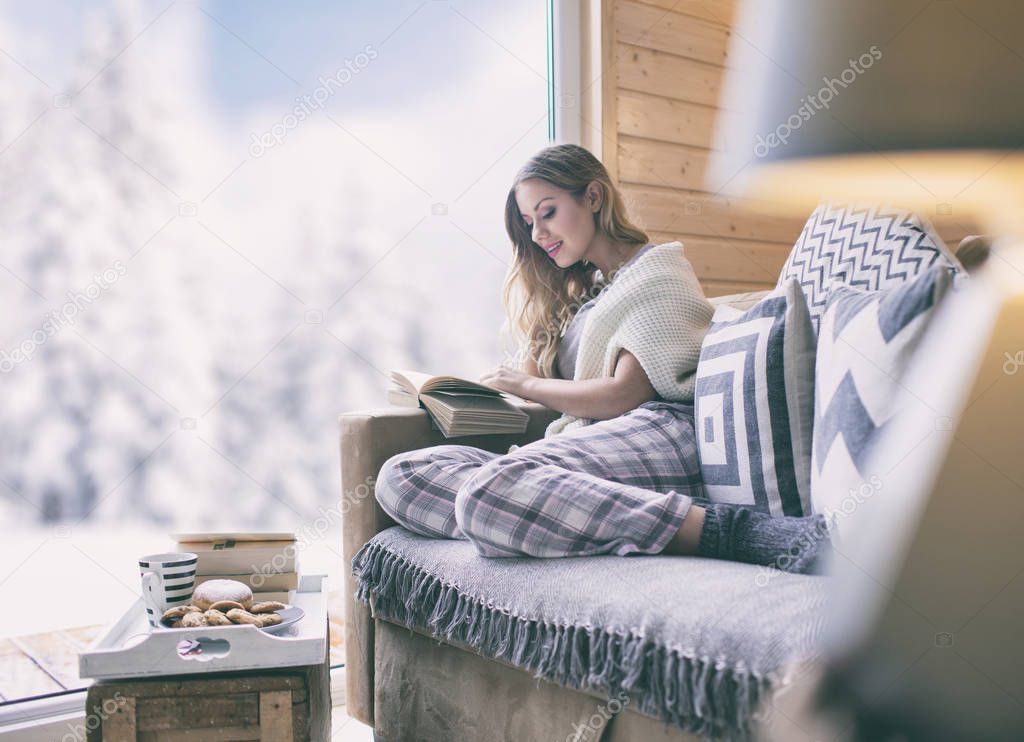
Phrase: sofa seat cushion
(697, 643)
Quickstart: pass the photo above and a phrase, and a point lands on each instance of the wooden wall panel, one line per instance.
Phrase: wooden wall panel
(719, 11)
(953, 229)
(693, 212)
(682, 35)
(670, 61)
(644, 162)
(652, 117)
(726, 259)
(659, 73)
(664, 64)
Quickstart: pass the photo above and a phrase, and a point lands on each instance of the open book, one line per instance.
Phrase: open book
(457, 406)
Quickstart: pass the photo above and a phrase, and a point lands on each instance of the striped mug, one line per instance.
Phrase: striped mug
(167, 581)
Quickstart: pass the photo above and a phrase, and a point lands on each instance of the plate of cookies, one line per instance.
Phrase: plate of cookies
(230, 603)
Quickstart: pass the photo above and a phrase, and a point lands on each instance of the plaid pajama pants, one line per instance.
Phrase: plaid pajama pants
(616, 486)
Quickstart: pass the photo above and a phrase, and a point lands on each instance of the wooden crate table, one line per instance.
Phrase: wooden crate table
(289, 705)
(212, 683)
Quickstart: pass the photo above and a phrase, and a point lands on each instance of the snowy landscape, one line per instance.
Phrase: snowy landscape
(223, 223)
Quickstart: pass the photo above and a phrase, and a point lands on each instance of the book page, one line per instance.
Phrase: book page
(414, 381)
(423, 383)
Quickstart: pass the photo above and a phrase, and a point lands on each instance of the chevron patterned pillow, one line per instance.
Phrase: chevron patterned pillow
(865, 343)
(866, 247)
(753, 404)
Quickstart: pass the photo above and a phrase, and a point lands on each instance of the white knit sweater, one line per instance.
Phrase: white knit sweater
(656, 310)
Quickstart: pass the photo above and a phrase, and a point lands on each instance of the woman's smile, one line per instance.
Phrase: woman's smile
(552, 248)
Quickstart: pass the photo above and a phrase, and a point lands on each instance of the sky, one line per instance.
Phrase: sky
(255, 54)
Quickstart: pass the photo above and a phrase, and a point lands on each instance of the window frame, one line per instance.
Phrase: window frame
(574, 70)
(53, 715)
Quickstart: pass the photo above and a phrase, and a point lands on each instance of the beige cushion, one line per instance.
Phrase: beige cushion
(742, 302)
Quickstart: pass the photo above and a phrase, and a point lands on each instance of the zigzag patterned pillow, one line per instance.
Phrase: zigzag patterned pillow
(753, 405)
(865, 247)
(865, 343)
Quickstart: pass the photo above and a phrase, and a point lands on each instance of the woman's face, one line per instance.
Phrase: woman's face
(562, 228)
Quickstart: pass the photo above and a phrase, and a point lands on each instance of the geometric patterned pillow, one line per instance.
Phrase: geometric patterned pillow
(866, 247)
(865, 343)
(754, 404)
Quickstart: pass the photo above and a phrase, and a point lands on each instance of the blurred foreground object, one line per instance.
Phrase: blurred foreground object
(915, 105)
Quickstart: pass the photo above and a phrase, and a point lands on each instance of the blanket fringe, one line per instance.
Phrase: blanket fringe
(698, 694)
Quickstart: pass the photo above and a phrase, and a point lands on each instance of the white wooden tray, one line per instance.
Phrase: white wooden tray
(130, 648)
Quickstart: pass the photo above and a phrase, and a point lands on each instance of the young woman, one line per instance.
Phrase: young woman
(618, 472)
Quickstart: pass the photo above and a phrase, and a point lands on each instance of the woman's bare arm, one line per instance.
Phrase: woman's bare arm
(596, 399)
(532, 369)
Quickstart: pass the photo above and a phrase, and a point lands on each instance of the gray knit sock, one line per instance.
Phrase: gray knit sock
(742, 534)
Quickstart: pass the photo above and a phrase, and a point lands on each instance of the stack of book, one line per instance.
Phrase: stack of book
(266, 562)
(457, 406)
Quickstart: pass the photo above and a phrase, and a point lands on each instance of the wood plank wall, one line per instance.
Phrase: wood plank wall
(659, 106)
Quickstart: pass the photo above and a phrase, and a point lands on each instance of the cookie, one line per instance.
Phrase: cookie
(194, 620)
(177, 612)
(242, 616)
(226, 605)
(266, 606)
(269, 619)
(215, 618)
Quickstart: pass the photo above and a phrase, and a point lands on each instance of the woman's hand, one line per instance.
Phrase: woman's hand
(508, 380)
(596, 399)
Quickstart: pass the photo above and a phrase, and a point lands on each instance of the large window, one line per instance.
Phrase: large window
(223, 223)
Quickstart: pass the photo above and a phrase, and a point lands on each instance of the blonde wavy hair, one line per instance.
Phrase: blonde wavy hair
(540, 298)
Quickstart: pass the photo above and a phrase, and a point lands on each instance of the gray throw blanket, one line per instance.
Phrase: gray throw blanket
(697, 643)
